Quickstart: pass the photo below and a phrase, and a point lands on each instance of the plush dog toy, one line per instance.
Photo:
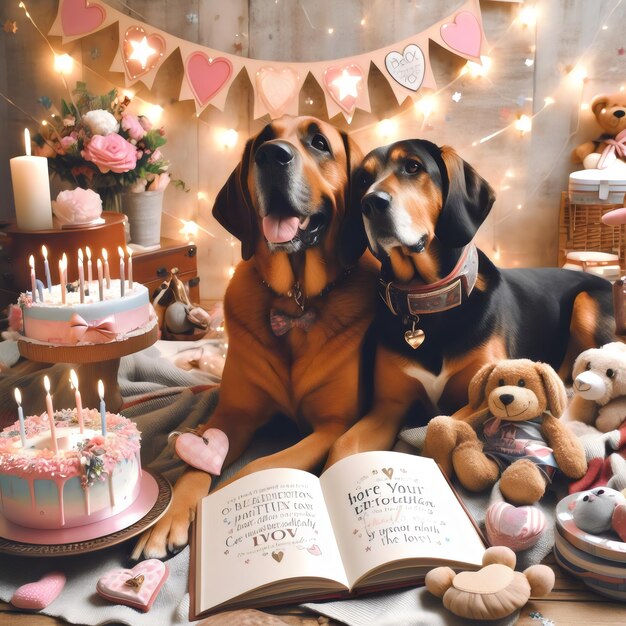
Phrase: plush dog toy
(494, 591)
(600, 387)
(515, 432)
(610, 113)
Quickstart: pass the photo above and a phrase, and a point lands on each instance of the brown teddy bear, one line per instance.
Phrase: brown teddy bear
(515, 433)
(610, 113)
(493, 592)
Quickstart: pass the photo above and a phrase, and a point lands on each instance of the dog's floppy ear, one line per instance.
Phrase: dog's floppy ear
(554, 388)
(352, 236)
(467, 204)
(233, 206)
(478, 384)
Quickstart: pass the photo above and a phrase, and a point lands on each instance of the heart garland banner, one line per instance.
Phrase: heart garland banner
(209, 73)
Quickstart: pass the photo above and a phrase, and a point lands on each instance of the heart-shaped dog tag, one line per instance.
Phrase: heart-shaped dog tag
(415, 337)
(206, 452)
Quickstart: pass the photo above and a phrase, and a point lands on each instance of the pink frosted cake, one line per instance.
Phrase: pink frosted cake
(94, 321)
(90, 479)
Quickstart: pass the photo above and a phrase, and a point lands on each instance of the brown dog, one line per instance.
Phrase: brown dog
(296, 309)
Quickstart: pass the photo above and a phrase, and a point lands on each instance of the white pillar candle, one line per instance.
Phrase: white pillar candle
(81, 276)
(89, 267)
(103, 413)
(120, 251)
(20, 416)
(64, 257)
(79, 402)
(46, 267)
(33, 278)
(50, 410)
(100, 287)
(129, 252)
(31, 190)
(107, 274)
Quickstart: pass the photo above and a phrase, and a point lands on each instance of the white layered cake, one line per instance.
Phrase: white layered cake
(94, 321)
(89, 479)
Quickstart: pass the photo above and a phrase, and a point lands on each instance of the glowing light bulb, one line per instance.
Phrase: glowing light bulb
(331, 31)
(548, 101)
(230, 138)
(527, 16)
(474, 70)
(63, 63)
(578, 73)
(426, 105)
(231, 271)
(189, 229)
(153, 112)
(386, 128)
(585, 106)
(523, 124)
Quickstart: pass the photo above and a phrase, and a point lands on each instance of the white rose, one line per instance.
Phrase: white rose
(101, 122)
(78, 206)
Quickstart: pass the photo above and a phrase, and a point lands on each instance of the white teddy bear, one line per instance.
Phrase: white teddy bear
(600, 387)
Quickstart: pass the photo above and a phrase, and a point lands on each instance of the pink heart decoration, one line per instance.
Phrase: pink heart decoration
(133, 66)
(137, 587)
(277, 88)
(314, 550)
(207, 76)
(464, 34)
(206, 453)
(79, 19)
(344, 84)
(38, 595)
(618, 521)
(515, 527)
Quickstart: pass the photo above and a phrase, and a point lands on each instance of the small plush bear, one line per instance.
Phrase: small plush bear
(515, 433)
(492, 592)
(599, 510)
(600, 387)
(610, 113)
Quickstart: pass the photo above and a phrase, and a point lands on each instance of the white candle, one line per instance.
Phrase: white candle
(50, 410)
(89, 267)
(81, 276)
(31, 190)
(46, 267)
(100, 287)
(33, 278)
(62, 280)
(103, 413)
(79, 402)
(107, 274)
(122, 277)
(20, 415)
(64, 257)
(129, 252)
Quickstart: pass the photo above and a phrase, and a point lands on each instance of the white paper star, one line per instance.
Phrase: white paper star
(456, 96)
(348, 85)
(141, 52)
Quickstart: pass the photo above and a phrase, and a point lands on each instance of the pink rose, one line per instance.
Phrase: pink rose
(69, 141)
(78, 206)
(159, 182)
(111, 153)
(133, 126)
(155, 156)
(146, 124)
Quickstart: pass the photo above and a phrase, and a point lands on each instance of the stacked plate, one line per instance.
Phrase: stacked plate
(598, 560)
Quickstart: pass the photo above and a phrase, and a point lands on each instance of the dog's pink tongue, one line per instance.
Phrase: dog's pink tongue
(280, 229)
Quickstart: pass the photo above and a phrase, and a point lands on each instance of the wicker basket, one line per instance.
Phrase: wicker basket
(581, 228)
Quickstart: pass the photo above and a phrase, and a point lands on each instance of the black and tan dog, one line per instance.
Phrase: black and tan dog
(445, 310)
(296, 310)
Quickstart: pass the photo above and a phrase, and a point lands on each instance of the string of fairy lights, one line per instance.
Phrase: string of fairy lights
(228, 139)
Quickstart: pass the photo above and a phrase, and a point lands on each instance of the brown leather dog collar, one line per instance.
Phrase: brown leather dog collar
(410, 300)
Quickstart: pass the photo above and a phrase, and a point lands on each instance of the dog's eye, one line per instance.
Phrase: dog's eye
(319, 143)
(501, 382)
(588, 366)
(412, 167)
(521, 383)
(610, 373)
(363, 180)
(600, 492)
(586, 498)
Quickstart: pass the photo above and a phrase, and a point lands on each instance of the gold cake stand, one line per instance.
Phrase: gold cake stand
(95, 362)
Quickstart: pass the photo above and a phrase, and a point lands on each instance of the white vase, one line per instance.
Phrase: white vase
(144, 216)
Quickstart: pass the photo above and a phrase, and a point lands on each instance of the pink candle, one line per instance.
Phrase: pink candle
(62, 281)
(89, 267)
(50, 411)
(79, 402)
(107, 274)
(120, 251)
(81, 276)
(33, 278)
(129, 252)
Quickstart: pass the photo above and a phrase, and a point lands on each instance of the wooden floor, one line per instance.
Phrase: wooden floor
(570, 604)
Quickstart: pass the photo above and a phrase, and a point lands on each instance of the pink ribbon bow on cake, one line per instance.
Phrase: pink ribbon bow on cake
(617, 146)
(101, 331)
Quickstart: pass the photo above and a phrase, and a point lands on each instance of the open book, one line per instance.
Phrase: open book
(372, 521)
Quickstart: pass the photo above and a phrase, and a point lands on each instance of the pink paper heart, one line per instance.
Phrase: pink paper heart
(314, 550)
(277, 88)
(38, 595)
(464, 34)
(79, 19)
(515, 527)
(206, 453)
(125, 586)
(133, 66)
(207, 76)
(344, 84)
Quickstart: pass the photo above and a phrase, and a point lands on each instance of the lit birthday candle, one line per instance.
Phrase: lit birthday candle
(129, 252)
(20, 415)
(120, 251)
(46, 267)
(89, 267)
(100, 286)
(103, 413)
(81, 276)
(50, 410)
(62, 281)
(64, 257)
(107, 274)
(79, 402)
(33, 278)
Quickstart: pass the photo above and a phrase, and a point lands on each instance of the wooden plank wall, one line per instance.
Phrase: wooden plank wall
(529, 171)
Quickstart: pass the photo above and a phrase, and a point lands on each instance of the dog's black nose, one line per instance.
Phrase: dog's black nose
(619, 113)
(274, 153)
(377, 201)
(507, 398)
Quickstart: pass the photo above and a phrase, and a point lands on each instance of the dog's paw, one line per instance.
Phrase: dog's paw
(167, 537)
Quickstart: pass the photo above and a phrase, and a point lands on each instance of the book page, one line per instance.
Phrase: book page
(269, 526)
(386, 506)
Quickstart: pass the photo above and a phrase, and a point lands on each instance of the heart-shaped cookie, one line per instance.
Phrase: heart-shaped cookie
(137, 587)
(206, 452)
(517, 527)
(38, 595)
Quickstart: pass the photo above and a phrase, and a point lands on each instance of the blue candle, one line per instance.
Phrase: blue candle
(46, 266)
(103, 413)
(40, 289)
(20, 415)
